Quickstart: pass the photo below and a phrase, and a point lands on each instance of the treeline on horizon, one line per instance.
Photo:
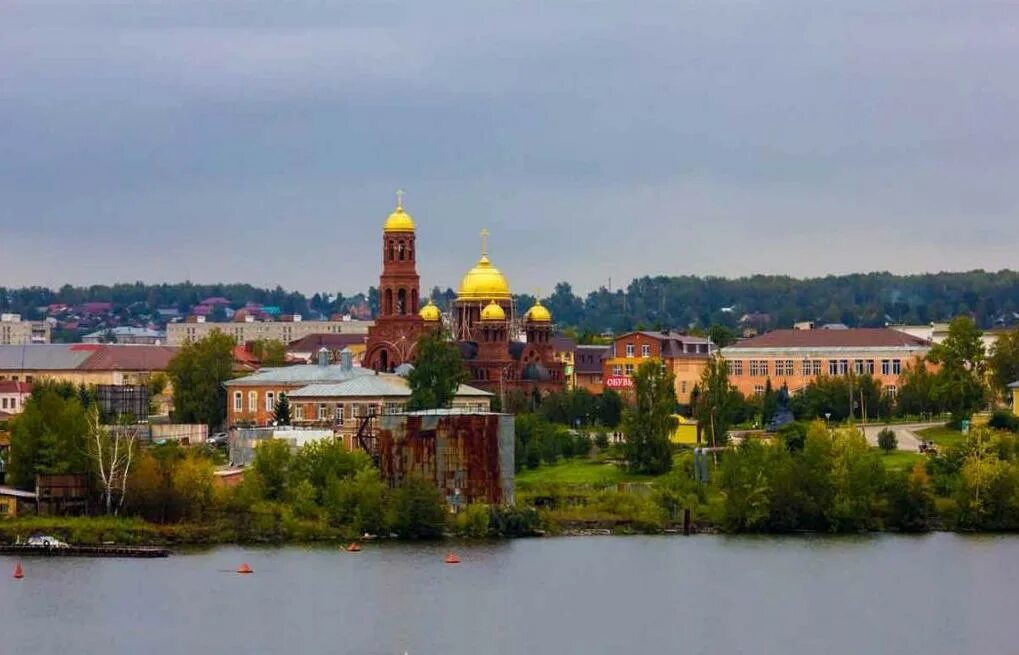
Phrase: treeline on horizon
(681, 302)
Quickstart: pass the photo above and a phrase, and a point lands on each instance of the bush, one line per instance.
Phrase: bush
(886, 440)
(1004, 420)
(418, 510)
(601, 440)
(474, 522)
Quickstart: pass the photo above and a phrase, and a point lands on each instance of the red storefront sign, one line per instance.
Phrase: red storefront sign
(619, 382)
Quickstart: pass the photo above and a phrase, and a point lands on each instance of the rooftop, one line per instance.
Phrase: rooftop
(301, 374)
(371, 386)
(313, 342)
(85, 356)
(8, 386)
(849, 338)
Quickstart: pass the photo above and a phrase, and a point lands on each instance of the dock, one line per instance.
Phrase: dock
(84, 551)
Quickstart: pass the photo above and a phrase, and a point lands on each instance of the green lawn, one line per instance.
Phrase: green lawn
(578, 471)
(942, 436)
(900, 460)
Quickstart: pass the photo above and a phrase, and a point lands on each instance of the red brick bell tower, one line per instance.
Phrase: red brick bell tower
(393, 339)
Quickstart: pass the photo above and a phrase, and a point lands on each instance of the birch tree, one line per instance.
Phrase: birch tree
(111, 453)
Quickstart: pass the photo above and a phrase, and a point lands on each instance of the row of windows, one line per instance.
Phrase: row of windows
(889, 390)
(645, 350)
(13, 403)
(782, 367)
(16, 378)
(619, 370)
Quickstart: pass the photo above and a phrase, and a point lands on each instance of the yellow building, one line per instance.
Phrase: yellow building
(685, 432)
(1015, 397)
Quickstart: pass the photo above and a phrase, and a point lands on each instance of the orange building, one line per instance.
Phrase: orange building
(795, 357)
(686, 356)
(587, 367)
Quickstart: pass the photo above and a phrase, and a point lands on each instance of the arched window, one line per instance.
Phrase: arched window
(390, 249)
(401, 250)
(401, 301)
(387, 306)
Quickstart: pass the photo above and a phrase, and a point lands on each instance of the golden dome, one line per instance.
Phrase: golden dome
(539, 313)
(493, 312)
(430, 312)
(482, 282)
(399, 221)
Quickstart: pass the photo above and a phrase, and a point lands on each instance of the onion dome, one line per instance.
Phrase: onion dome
(399, 220)
(484, 281)
(430, 313)
(539, 313)
(493, 312)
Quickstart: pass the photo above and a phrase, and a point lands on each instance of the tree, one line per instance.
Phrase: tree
(272, 466)
(610, 408)
(1004, 361)
(649, 423)
(112, 453)
(270, 352)
(722, 335)
(418, 510)
(886, 440)
(47, 437)
(959, 382)
(281, 414)
(438, 372)
(717, 401)
(198, 372)
(916, 394)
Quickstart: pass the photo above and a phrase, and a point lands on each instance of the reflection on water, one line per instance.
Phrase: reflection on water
(932, 594)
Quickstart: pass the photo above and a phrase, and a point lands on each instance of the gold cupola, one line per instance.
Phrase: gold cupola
(493, 312)
(484, 281)
(399, 220)
(430, 313)
(539, 313)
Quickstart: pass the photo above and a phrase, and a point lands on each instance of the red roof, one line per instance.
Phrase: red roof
(9, 386)
(129, 358)
(312, 342)
(851, 338)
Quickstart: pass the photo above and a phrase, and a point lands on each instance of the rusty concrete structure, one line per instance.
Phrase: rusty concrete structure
(469, 455)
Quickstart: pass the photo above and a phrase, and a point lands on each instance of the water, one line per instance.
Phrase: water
(936, 594)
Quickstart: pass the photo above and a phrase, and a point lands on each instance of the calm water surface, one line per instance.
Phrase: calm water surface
(938, 594)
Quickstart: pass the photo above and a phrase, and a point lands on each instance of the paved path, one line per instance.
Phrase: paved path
(905, 434)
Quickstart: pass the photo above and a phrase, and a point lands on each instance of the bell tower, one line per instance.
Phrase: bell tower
(393, 339)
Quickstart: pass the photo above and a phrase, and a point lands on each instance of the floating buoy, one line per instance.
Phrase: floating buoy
(245, 568)
(354, 547)
(452, 559)
(18, 573)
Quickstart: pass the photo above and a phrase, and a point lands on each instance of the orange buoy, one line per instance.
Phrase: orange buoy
(18, 573)
(452, 559)
(245, 568)
(354, 547)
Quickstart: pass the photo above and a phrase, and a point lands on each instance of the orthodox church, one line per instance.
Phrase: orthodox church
(502, 351)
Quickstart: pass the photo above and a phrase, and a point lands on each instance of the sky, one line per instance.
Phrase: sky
(263, 141)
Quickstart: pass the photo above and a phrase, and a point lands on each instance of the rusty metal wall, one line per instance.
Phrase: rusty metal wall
(469, 456)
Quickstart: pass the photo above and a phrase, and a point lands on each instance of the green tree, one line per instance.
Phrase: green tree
(858, 478)
(911, 500)
(722, 335)
(47, 437)
(610, 408)
(717, 402)
(916, 394)
(272, 465)
(886, 440)
(357, 502)
(281, 414)
(1004, 362)
(959, 382)
(438, 371)
(649, 423)
(270, 352)
(418, 510)
(198, 372)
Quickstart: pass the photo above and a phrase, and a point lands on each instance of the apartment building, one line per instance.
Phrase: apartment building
(686, 356)
(16, 332)
(245, 329)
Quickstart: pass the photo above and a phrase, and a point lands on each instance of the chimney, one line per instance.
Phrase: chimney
(323, 356)
(346, 359)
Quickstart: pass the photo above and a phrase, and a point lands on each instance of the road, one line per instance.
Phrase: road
(904, 433)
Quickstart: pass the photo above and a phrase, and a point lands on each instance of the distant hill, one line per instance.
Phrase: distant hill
(762, 301)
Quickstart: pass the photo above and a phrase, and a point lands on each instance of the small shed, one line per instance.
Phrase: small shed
(15, 501)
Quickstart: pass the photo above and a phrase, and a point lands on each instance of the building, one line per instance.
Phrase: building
(251, 400)
(307, 349)
(244, 328)
(393, 338)
(1014, 388)
(686, 356)
(795, 357)
(936, 333)
(15, 502)
(16, 332)
(469, 456)
(342, 406)
(564, 350)
(126, 335)
(13, 396)
(84, 364)
(502, 351)
(587, 368)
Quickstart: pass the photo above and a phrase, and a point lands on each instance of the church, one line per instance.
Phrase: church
(503, 350)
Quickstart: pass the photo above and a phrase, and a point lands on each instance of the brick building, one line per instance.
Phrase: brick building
(686, 356)
(795, 357)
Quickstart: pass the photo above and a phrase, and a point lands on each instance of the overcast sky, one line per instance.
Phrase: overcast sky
(262, 141)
